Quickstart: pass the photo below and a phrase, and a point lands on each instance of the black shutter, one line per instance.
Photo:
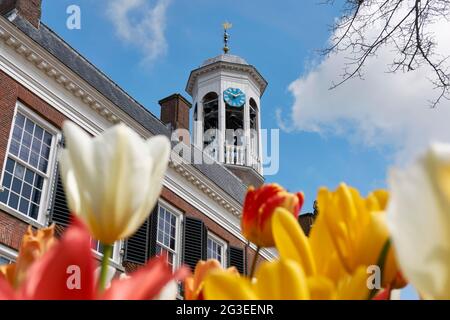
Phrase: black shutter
(236, 258)
(138, 248)
(59, 212)
(195, 242)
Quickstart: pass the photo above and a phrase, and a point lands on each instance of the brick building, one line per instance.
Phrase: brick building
(44, 81)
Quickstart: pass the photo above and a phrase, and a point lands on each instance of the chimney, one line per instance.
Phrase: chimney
(27, 9)
(175, 113)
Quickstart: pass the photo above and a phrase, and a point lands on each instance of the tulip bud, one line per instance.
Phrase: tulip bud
(259, 206)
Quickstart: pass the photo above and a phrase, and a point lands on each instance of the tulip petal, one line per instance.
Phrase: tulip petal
(222, 285)
(290, 240)
(66, 271)
(419, 232)
(281, 280)
(146, 283)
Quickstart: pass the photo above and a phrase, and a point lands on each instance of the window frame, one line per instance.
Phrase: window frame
(224, 245)
(178, 232)
(49, 176)
(116, 256)
(8, 253)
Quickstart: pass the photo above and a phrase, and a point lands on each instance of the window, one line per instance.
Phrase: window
(27, 166)
(99, 249)
(216, 249)
(4, 260)
(168, 235)
(7, 255)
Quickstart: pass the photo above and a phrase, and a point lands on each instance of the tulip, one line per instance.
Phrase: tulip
(67, 271)
(419, 221)
(34, 245)
(112, 181)
(296, 275)
(358, 230)
(259, 206)
(193, 285)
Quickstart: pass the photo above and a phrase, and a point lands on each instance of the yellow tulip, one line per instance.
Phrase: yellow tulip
(419, 221)
(358, 230)
(193, 285)
(112, 181)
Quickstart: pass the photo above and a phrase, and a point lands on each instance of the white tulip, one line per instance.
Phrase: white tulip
(419, 221)
(113, 180)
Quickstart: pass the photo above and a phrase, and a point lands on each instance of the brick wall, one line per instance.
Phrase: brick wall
(11, 228)
(28, 9)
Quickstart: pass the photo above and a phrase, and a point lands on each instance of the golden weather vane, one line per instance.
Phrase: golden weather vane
(226, 26)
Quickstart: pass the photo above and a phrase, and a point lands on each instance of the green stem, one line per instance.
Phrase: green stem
(255, 259)
(107, 251)
(381, 263)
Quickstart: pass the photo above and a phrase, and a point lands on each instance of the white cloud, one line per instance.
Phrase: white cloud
(141, 25)
(384, 109)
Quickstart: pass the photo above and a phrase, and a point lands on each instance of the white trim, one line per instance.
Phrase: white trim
(178, 232)
(224, 245)
(115, 261)
(48, 177)
(8, 253)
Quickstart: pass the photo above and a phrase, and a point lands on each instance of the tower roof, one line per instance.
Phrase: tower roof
(226, 62)
(225, 58)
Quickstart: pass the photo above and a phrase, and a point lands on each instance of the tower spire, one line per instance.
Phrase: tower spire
(226, 27)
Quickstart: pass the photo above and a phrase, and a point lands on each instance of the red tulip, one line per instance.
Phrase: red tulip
(259, 207)
(66, 271)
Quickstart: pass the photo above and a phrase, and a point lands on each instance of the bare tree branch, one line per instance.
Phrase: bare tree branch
(366, 26)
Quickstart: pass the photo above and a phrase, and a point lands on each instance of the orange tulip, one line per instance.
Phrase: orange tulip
(193, 285)
(259, 207)
(67, 271)
(34, 245)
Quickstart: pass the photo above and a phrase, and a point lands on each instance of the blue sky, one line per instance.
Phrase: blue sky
(281, 39)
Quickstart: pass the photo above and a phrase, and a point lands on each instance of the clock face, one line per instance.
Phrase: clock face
(234, 97)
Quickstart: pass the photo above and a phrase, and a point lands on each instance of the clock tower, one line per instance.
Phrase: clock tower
(226, 93)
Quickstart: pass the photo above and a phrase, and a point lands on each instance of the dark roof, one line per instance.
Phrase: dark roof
(306, 221)
(67, 55)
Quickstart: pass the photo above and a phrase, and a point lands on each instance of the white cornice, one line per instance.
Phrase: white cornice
(221, 65)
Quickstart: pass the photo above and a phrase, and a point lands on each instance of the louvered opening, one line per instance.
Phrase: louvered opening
(194, 242)
(237, 259)
(60, 213)
(137, 250)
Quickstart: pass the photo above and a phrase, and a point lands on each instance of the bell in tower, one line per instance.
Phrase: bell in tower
(226, 93)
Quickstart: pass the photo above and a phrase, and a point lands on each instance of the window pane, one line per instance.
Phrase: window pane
(38, 132)
(4, 196)
(19, 171)
(16, 185)
(47, 138)
(17, 133)
(29, 176)
(29, 126)
(23, 207)
(14, 147)
(20, 120)
(34, 159)
(36, 198)
(36, 146)
(13, 200)
(26, 191)
(43, 165)
(26, 139)
(7, 178)
(10, 166)
(24, 153)
(34, 210)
